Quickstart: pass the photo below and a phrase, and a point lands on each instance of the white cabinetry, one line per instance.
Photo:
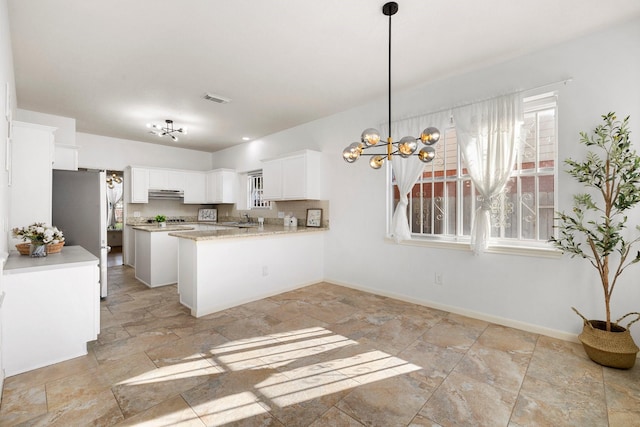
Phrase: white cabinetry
(165, 179)
(294, 177)
(51, 309)
(138, 181)
(195, 187)
(221, 186)
(216, 186)
(31, 174)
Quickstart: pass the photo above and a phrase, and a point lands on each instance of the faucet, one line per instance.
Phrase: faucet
(246, 217)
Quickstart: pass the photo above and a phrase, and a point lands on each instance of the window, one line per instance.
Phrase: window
(254, 191)
(443, 201)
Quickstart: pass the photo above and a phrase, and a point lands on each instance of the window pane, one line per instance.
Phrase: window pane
(451, 208)
(528, 211)
(547, 138)
(546, 210)
(468, 206)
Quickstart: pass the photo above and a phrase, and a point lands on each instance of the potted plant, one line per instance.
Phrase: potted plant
(42, 239)
(161, 220)
(596, 230)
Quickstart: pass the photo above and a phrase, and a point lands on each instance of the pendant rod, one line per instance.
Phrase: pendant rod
(389, 80)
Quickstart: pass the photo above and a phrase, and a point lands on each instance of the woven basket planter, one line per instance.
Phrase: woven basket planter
(615, 349)
(52, 248)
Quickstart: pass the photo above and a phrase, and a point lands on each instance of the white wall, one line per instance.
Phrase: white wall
(65, 126)
(102, 152)
(536, 291)
(6, 76)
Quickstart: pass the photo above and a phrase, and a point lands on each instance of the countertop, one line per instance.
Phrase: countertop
(266, 230)
(69, 256)
(155, 228)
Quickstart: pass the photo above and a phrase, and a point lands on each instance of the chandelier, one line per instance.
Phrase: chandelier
(167, 129)
(408, 145)
(113, 178)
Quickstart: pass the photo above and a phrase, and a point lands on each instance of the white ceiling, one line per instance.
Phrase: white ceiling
(116, 65)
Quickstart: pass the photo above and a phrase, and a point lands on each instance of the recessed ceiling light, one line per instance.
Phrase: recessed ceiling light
(246, 138)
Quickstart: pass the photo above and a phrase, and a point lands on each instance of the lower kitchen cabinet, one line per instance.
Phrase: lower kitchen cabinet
(51, 308)
(156, 258)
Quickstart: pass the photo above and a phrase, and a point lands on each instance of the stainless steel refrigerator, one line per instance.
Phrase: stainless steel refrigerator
(80, 210)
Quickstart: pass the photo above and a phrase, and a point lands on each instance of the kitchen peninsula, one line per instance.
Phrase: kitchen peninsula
(220, 269)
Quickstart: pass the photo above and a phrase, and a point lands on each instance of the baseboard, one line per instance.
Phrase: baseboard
(1, 384)
(516, 324)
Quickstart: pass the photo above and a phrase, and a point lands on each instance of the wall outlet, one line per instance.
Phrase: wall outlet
(280, 215)
(265, 270)
(438, 279)
(136, 214)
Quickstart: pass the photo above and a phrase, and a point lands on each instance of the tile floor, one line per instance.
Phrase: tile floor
(323, 355)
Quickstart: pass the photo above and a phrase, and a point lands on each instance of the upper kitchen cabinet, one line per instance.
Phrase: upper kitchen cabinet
(221, 186)
(166, 179)
(138, 181)
(195, 190)
(297, 176)
(30, 177)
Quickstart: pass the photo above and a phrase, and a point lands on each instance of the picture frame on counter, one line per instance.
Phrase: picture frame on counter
(207, 215)
(314, 217)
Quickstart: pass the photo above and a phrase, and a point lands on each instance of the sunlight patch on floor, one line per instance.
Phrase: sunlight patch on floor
(231, 408)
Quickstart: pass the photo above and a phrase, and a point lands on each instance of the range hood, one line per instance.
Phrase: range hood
(166, 194)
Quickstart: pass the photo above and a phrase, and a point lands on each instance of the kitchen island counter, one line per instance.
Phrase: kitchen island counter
(220, 269)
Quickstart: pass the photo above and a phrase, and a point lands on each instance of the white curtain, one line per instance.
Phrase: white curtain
(113, 197)
(488, 134)
(407, 170)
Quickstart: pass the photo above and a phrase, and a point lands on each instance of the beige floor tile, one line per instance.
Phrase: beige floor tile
(541, 403)
(495, 367)
(50, 373)
(461, 400)
(138, 393)
(435, 362)
(508, 339)
(172, 412)
(455, 332)
(248, 327)
(20, 404)
(394, 401)
(99, 410)
(145, 341)
(231, 398)
(335, 418)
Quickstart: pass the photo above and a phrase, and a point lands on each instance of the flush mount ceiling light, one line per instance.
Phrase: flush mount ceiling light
(167, 129)
(408, 145)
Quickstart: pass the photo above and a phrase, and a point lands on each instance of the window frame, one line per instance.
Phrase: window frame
(252, 178)
(513, 246)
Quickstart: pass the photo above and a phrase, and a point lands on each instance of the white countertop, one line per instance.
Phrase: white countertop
(266, 230)
(69, 256)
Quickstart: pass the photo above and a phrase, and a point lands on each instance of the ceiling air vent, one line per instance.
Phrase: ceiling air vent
(216, 98)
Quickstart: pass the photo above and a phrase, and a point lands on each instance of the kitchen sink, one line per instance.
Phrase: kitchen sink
(240, 224)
